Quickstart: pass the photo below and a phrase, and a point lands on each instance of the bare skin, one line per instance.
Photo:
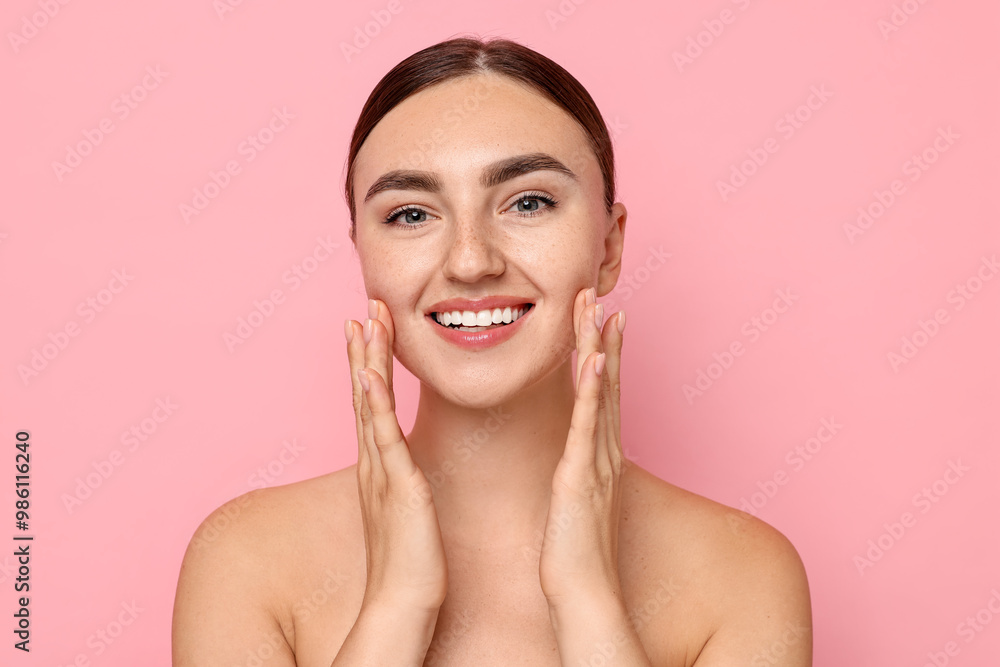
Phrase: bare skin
(443, 560)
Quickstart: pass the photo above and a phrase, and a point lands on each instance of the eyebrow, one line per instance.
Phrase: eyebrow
(493, 174)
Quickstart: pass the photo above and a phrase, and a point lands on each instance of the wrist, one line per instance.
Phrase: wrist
(594, 627)
(602, 598)
(387, 635)
(407, 616)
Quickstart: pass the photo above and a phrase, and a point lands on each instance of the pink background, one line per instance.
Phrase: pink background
(680, 129)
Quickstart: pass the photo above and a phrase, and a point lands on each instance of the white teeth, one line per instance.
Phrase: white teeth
(483, 318)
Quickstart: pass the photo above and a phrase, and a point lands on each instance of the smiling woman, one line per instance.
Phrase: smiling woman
(507, 526)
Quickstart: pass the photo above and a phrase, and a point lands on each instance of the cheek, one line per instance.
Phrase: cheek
(381, 266)
(393, 278)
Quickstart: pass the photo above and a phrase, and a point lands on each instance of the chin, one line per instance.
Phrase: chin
(476, 385)
(477, 391)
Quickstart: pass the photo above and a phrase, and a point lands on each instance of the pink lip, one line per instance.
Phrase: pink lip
(478, 339)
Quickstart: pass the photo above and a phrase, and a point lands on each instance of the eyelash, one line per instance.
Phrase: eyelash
(395, 213)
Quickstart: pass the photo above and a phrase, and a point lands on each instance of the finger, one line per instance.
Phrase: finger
(602, 457)
(377, 310)
(579, 303)
(356, 361)
(580, 447)
(613, 340)
(377, 355)
(589, 336)
(392, 447)
(377, 474)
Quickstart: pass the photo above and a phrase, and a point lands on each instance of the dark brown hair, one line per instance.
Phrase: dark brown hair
(466, 56)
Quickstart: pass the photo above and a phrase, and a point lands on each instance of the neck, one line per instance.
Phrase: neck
(491, 469)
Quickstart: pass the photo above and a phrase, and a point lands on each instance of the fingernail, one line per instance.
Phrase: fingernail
(373, 309)
(348, 331)
(591, 296)
(599, 366)
(363, 379)
(621, 321)
(368, 331)
(599, 315)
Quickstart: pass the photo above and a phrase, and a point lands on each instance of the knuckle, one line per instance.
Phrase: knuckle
(386, 443)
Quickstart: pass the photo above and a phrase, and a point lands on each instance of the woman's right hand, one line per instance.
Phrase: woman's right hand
(407, 569)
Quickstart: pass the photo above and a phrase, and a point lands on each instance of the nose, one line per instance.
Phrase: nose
(474, 252)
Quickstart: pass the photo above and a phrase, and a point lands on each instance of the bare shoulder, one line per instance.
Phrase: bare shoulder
(234, 579)
(743, 576)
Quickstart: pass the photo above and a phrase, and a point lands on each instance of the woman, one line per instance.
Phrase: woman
(506, 527)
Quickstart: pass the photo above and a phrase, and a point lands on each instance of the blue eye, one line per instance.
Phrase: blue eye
(533, 209)
(413, 217)
(409, 212)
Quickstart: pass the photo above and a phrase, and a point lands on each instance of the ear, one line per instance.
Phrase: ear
(614, 243)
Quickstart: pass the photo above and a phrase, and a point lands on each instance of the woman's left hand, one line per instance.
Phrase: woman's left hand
(579, 554)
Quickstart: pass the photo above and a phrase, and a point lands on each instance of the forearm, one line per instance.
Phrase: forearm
(597, 632)
(387, 637)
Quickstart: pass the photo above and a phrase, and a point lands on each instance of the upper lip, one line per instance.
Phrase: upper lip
(476, 305)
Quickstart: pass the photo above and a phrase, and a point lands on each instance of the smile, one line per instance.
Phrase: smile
(467, 320)
(480, 329)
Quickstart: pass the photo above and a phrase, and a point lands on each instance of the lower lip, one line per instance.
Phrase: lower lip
(479, 339)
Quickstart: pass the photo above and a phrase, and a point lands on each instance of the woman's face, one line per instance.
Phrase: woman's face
(474, 231)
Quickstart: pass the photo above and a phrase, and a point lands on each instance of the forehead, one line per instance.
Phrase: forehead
(456, 127)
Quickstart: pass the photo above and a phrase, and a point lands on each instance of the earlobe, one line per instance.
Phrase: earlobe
(614, 245)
